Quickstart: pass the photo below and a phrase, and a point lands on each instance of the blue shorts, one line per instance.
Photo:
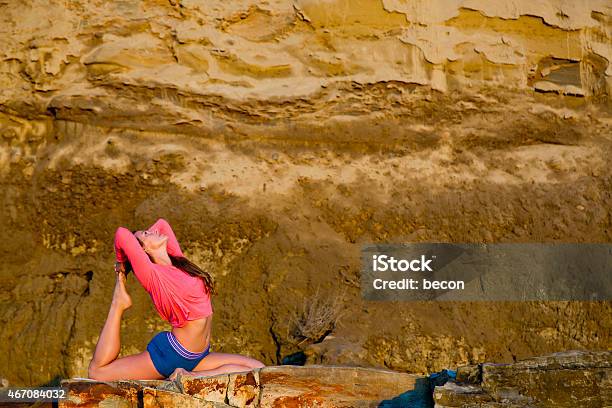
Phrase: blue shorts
(168, 354)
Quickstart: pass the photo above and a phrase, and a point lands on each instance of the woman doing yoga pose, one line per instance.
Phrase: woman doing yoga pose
(181, 293)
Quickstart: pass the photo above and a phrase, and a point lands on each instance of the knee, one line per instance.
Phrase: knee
(93, 372)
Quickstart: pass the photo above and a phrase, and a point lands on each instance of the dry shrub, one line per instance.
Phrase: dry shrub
(318, 318)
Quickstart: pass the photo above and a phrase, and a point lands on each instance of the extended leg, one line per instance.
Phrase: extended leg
(215, 360)
(220, 363)
(225, 368)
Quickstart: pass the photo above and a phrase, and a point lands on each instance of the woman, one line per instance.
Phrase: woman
(181, 294)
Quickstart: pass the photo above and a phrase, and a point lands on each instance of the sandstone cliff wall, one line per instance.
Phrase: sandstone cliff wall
(277, 137)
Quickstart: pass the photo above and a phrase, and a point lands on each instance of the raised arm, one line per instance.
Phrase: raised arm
(127, 248)
(172, 246)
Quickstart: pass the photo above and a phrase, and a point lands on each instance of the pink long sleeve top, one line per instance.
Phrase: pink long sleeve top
(177, 296)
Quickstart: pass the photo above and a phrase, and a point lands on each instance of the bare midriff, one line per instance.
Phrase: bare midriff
(195, 334)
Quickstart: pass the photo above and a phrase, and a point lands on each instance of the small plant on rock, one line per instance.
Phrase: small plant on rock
(317, 319)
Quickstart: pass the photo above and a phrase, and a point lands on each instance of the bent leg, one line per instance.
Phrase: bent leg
(109, 342)
(108, 345)
(135, 367)
(216, 360)
(103, 365)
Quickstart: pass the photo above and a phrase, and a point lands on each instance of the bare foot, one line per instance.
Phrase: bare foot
(180, 371)
(121, 298)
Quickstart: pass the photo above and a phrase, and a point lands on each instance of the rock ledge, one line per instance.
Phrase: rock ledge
(569, 379)
(274, 386)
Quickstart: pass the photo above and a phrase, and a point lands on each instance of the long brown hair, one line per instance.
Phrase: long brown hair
(192, 269)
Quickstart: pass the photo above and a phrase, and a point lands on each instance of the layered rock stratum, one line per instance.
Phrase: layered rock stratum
(277, 137)
(569, 379)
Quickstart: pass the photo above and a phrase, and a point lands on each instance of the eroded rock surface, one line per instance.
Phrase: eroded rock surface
(570, 379)
(278, 137)
(185, 65)
(280, 386)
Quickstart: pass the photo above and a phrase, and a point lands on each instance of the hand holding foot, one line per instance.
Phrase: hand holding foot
(121, 298)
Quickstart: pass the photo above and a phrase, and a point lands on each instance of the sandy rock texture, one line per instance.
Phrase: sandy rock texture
(277, 137)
